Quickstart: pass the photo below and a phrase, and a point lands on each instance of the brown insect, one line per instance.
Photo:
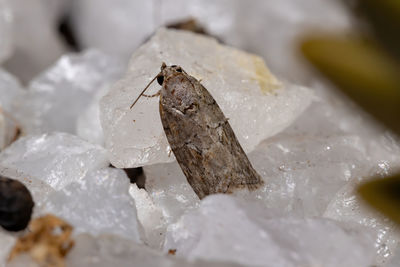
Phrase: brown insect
(200, 136)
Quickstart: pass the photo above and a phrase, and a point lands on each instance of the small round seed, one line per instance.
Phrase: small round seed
(16, 205)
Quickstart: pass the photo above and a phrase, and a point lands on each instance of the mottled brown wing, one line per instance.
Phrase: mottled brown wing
(204, 143)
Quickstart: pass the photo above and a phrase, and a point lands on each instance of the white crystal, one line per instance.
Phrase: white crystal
(88, 124)
(109, 250)
(347, 207)
(37, 44)
(70, 178)
(225, 229)
(150, 216)
(257, 105)
(250, 26)
(169, 190)
(56, 159)
(57, 98)
(110, 26)
(395, 260)
(6, 21)
(7, 241)
(98, 203)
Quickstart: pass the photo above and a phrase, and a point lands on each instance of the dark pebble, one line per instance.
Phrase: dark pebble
(16, 205)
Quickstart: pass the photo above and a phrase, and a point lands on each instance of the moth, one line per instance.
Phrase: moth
(200, 136)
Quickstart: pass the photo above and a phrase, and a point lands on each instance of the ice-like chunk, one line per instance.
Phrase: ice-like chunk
(109, 250)
(6, 21)
(150, 216)
(169, 190)
(88, 123)
(37, 43)
(116, 33)
(106, 25)
(98, 203)
(61, 94)
(224, 228)
(10, 88)
(257, 105)
(57, 158)
(347, 207)
(395, 260)
(7, 242)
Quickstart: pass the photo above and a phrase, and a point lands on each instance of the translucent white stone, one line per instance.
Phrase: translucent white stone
(347, 207)
(56, 159)
(225, 229)
(395, 260)
(98, 203)
(169, 190)
(108, 250)
(7, 242)
(88, 124)
(253, 27)
(57, 98)
(6, 22)
(37, 43)
(10, 88)
(150, 216)
(257, 105)
(116, 32)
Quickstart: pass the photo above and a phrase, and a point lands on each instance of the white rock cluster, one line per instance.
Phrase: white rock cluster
(65, 97)
(6, 20)
(311, 146)
(253, 27)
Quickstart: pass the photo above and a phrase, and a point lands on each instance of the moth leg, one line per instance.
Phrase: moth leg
(153, 95)
(169, 152)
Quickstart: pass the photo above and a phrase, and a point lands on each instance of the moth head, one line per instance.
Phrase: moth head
(167, 71)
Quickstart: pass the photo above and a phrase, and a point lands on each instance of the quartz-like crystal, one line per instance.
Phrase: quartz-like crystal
(226, 229)
(57, 159)
(98, 203)
(35, 39)
(150, 216)
(268, 28)
(6, 21)
(58, 97)
(349, 208)
(70, 178)
(110, 250)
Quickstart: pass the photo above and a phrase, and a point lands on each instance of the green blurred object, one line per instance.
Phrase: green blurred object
(367, 69)
(362, 70)
(384, 18)
(384, 195)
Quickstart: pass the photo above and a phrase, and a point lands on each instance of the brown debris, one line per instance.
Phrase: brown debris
(47, 242)
(172, 252)
(188, 25)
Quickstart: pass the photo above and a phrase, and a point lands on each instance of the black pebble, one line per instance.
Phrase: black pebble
(16, 205)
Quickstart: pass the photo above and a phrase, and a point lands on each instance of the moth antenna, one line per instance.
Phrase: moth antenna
(144, 90)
